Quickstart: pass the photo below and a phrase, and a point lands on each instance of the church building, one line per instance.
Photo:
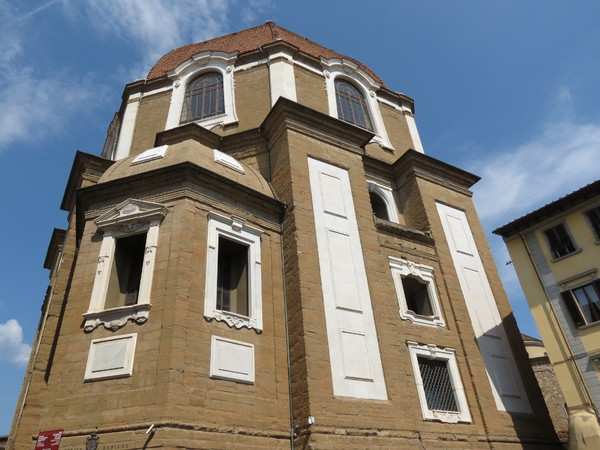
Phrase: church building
(263, 256)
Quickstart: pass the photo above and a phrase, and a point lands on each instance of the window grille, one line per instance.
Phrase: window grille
(593, 216)
(351, 105)
(559, 240)
(203, 98)
(437, 385)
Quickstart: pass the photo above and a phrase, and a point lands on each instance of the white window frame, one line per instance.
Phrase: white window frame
(126, 367)
(235, 229)
(348, 70)
(401, 268)
(126, 219)
(434, 352)
(186, 72)
(387, 195)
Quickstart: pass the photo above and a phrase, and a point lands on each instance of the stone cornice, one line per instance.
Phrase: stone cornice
(185, 174)
(54, 247)
(418, 164)
(188, 131)
(289, 115)
(86, 166)
(404, 232)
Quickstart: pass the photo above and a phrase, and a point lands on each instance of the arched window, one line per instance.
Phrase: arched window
(203, 97)
(351, 105)
(379, 207)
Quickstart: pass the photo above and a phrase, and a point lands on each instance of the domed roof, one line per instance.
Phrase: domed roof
(194, 152)
(246, 41)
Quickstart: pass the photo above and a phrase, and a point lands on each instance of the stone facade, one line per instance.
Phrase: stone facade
(288, 181)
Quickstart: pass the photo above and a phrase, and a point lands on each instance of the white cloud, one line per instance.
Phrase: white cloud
(251, 12)
(563, 158)
(12, 348)
(34, 102)
(157, 26)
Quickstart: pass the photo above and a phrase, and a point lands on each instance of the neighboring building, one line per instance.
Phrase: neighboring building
(549, 385)
(556, 254)
(224, 283)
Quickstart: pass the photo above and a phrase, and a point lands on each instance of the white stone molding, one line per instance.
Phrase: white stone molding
(150, 155)
(387, 195)
(228, 161)
(448, 355)
(503, 373)
(198, 64)
(235, 229)
(281, 76)
(231, 360)
(127, 127)
(414, 132)
(401, 268)
(111, 357)
(128, 218)
(343, 68)
(356, 368)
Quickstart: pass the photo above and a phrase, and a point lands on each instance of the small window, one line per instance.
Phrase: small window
(415, 289)
(351, 105)
(379, 207)
(417, 296)
(593, 217)
(203, 97)
(439, 386)
(123, 279)
(583, 303)
(126, 271)
(560, 241)
(232, 277)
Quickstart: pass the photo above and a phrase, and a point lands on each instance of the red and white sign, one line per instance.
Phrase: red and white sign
(48, 440)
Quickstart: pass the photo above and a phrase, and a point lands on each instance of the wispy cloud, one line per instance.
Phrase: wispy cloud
(255, 8)
(12, 348)
(35, 102)
(562, 158)
(156, 26)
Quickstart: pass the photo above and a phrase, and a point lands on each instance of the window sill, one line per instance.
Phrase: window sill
(232, 319)
(213, 121)
(589, 325)
(447, 416)
(115, 318)
(432, 321)
(560, 258)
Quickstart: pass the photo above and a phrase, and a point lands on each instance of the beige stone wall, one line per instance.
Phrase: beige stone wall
(310, 90)
(252, 99)
(170, 385)
(151, 119)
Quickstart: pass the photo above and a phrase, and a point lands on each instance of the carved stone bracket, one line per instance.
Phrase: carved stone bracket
(115, 318)
(231, 319)
(447, 416)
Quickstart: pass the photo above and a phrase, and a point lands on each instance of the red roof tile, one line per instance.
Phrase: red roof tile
(246, 41)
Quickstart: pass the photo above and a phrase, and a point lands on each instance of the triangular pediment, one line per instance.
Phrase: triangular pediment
(132, 210)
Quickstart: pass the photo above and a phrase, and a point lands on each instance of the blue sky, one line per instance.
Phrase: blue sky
(508, 90)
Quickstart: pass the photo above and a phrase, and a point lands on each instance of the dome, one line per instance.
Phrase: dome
(194, 152)
(245, 41)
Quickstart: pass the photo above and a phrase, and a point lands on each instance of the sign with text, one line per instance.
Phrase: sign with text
(48, 440)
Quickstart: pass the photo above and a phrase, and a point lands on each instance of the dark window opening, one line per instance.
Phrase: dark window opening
(232, 277)
(126, 271)
(351, 105)
(559, 241)
(437, 385)
(593, 216)
(416, 293)
(379, 207)
(203, 98)
(583, 303)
